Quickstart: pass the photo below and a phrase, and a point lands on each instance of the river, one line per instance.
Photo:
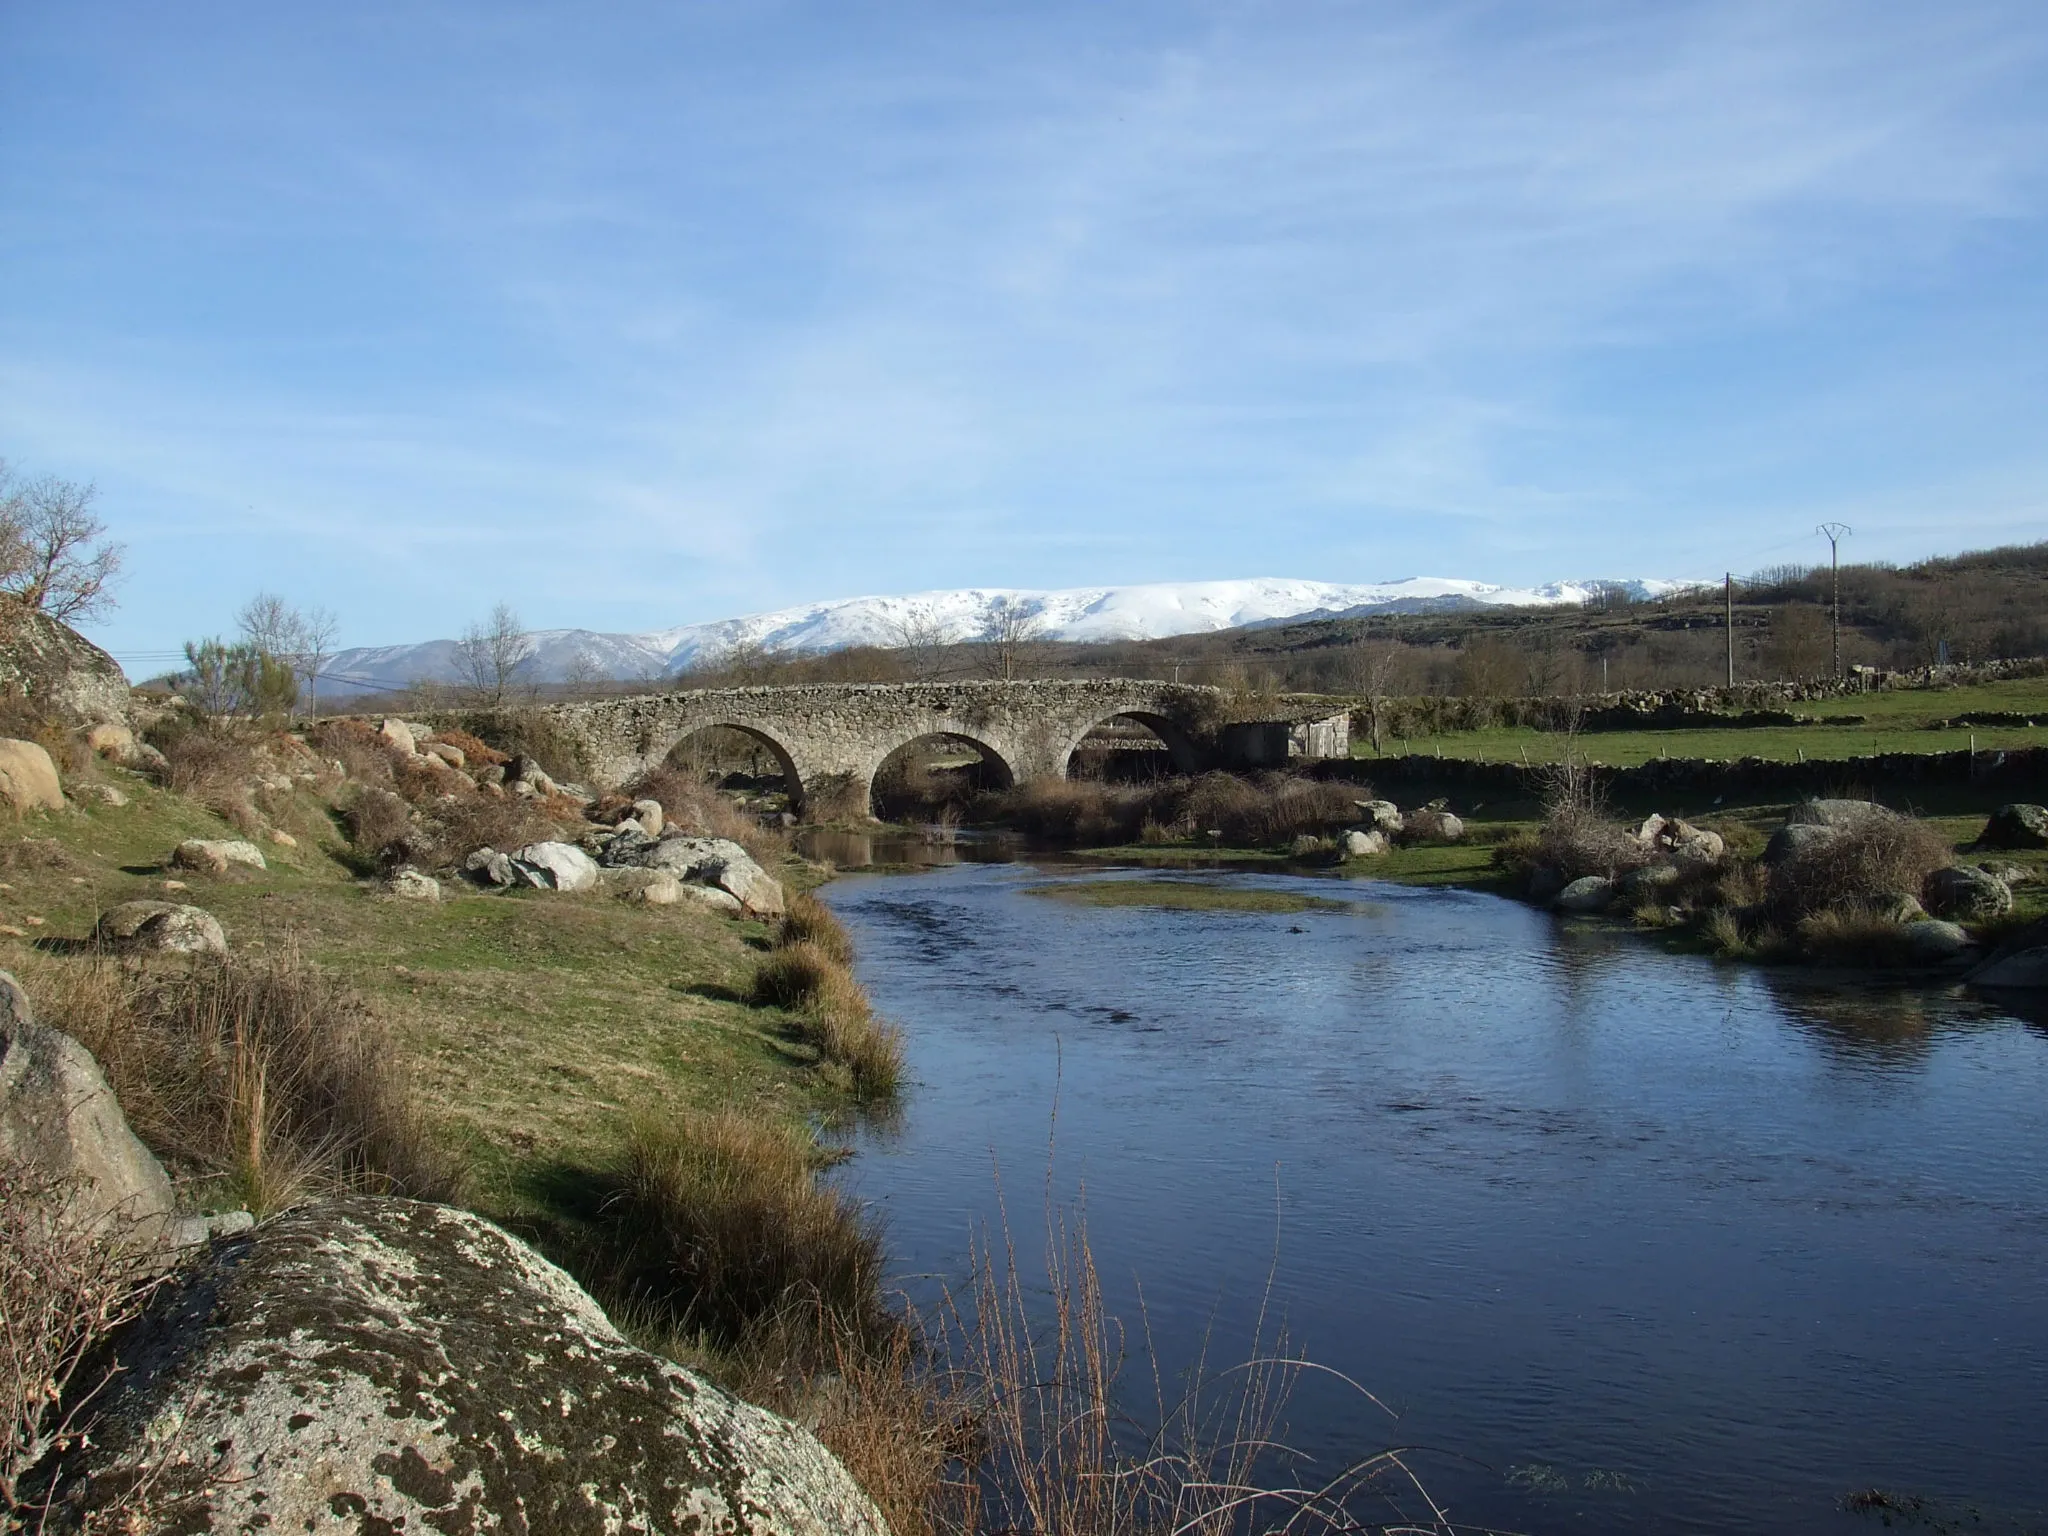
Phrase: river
(1630, 1241)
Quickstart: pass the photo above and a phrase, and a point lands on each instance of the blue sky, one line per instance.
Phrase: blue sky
(642, 315)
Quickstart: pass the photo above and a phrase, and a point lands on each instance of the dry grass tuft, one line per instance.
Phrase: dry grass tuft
(265, 1074)
(810, 921)
(831, 1012)
(718, 1224)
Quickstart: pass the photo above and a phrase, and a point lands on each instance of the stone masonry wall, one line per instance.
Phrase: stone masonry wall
(845, 731)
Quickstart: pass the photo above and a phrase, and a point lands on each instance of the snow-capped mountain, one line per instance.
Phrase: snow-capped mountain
(1150, 611)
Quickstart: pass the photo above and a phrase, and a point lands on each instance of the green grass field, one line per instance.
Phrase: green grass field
(1897, 722)
(534, 1024)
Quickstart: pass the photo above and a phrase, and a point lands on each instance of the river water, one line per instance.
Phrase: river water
(1631, 1241)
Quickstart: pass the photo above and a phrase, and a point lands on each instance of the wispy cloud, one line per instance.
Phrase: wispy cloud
(789, 300)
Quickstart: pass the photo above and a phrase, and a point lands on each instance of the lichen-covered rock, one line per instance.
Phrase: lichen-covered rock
(2016, 826)
(60, 671)
(398, 734)
(1681, 840)
(385, 1365)
(1588, 893)
(1835, 813)
(1364, 843)
(1380, 815)
(1970, 895)
(58, 1115)
(28, 779)
(1645, 881)
(653, 887)
(1929, 941)
(215, 856)
(161, 925)
(409, 884)
(111, 739)
(713, 861)
(1794, 838)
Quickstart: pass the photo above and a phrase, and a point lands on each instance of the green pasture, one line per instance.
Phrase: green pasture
(1900, 721)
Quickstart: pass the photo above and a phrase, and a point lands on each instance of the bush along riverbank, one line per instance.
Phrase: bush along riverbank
(1839, 882)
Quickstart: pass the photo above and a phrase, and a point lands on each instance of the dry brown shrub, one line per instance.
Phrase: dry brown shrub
(266, 1074)
(381, 829)
(1881, 855)
(214, 765)
(476, 752)
(1577, 841)
(362, 752)
(458, 827)
(66, 1283)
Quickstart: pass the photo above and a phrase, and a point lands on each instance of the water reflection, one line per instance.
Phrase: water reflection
(1567, 1201)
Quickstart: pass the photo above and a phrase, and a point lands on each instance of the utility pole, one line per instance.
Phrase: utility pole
(1728, 595)
(1834, 533)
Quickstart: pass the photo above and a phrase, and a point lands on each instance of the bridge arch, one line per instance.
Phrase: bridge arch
(793, 783)
(898, 786)
(1181, 749)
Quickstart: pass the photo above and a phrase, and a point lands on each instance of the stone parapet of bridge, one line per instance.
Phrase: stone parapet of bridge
(842, 733)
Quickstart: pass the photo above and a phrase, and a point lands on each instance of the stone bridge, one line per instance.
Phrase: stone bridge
(841, 734)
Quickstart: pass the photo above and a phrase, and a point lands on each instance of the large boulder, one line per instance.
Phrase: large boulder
(1929, 941)
(487, 866)
(1364, 843)
(111, 739)
(1380, 815)
(386, 1365)
(1645, 881)
(556, 866)
(409, 884)
(1795, 838)
(216, 856)
(2016, 826)
(1835, 813)
(1681, 840)
(1969, 895)
(60, 672)
(161, 925)
(28, 779)
(1588, 893)
(2021, 961)
(58, 1116)
(650, 816)
(715, 861)
(398, 734)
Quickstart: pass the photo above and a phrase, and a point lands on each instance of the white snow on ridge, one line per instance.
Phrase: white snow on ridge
(1149, 611)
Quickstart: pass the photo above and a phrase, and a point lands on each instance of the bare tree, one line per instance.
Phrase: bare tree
(54, 554)
(1369, 669)
(919, 639)
(493, 654)
(302, 641)
(1012, 634)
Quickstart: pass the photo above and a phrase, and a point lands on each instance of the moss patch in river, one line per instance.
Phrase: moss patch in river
(1185, 896)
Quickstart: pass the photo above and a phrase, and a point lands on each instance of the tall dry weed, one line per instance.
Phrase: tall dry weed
(266, 1074)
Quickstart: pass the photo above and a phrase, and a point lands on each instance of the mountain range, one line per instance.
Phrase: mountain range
(1149, 611)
